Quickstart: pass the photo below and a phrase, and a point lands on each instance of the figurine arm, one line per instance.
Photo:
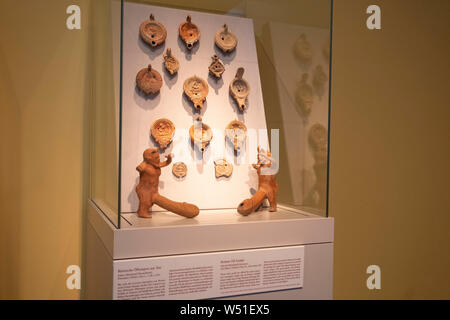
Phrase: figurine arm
(167, 162)
(141, 167)
(267, 165)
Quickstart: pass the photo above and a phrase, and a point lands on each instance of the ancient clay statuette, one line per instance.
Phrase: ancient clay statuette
(216, 67)
(304, 96)
(179, 170)
(302, 48)
(225, 39)
(189, 33)
(149, 80)
(267, 185)
(318, 142)
(162, 131)
(236, 132)
(147, 188)
(319, 77)
(223, 168)
(170, 62)
(152, 32)
(240, 89)
(200, 134)
(196, 89)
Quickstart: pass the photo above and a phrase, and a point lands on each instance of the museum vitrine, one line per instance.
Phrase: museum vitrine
(210, 112)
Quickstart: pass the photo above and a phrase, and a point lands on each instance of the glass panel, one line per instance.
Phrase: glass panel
(293, 39)
(105, 63)
(291, 76)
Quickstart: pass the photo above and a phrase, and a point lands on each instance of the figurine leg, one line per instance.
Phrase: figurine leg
(143, 210)
(145, 203)
(272, 201)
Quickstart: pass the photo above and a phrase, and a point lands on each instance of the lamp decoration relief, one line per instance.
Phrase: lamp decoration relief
(216, 68)
(196, 89)
(149, 81)
(236, 133)
(152, 32)
(200, 134)
(304, 96)
(189, 33)
(179, 170)
(302, 48)
(162, 130)
(223, 168)
(225, 39)
(240, 89)
(319, 77)
(170, 62)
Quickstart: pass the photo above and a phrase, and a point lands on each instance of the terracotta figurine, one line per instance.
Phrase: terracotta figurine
(147, 189)
(267, 185)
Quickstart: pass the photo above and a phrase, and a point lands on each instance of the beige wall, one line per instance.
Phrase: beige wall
(43, 160)
(389, 147)
(390, 150)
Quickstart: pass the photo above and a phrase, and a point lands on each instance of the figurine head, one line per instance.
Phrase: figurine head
(151, 156)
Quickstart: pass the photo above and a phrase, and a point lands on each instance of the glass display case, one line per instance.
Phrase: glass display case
(209, 158)
(255, 74)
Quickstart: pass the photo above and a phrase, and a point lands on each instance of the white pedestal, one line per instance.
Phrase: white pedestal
(167, 234)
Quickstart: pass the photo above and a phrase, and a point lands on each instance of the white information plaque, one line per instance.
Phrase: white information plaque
(209, 275)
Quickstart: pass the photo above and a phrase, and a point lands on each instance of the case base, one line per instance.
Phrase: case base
(212, 231)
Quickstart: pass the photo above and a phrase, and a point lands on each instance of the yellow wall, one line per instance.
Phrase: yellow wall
(43, 159)
(390, 150)
(389, 147)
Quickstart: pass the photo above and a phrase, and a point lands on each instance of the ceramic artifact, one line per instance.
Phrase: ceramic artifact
(149, 80)
(225, 39)
(304, 96)
(200, 134)
(153, 32)
(318, 142)
(302, 48)
(240, 89)
(319, 77)
(189, 33)
(179, 169)
(223, 168)
(236, 132)
(170, 62)
(267, 185)
(162, 131)
(147, 188)
(216, 67)
(196, 89)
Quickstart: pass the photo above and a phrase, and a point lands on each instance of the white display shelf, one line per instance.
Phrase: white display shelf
(212, 217)
(167, 234)
(212, 230)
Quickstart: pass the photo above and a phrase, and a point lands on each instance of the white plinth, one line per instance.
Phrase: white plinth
(212, 231)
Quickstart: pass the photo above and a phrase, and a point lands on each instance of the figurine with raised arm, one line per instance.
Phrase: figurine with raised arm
(147, 189)
(267, 185)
